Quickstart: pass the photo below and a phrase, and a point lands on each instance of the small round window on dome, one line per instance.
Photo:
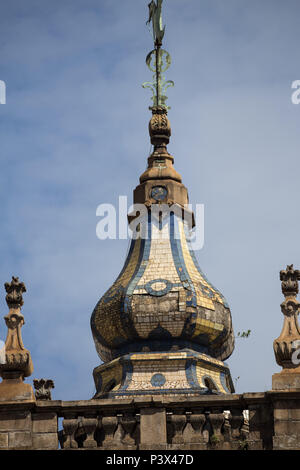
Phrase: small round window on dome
(210, 384)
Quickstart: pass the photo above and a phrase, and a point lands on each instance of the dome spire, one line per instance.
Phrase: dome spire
(160, 162)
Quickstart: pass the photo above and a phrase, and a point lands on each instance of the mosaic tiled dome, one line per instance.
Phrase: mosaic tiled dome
(161, 300)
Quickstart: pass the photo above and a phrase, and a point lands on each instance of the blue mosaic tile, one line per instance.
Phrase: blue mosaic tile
(158, 380)
(191, 375)
(194, 258)
(158, 293)
(179, 262)
(127, 370)
(223, 381)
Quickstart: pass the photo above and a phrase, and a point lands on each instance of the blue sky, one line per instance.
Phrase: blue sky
(74, 135)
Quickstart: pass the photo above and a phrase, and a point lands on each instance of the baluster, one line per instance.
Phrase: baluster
(70, 426)
(119, 433)
(109, 424)
(236, 422)
(129, 424)
(217, 420)
(193, 430)
(207, 428)
(178, 421)
(89, 425)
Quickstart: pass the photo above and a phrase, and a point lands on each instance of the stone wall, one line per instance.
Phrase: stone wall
(156, 423)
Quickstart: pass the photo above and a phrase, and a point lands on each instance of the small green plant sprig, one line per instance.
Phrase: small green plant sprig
(243, 334)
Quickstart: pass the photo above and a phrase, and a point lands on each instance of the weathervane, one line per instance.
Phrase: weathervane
(158, 60)
(156, 17)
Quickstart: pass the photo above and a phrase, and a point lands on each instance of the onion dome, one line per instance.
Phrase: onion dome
(161, 299)
(162, 327)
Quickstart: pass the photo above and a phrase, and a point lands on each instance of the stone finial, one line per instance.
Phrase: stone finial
(43, 388)
(159, 127)
(18, 363)
(14, 290)
(284, 345)
(289, 281)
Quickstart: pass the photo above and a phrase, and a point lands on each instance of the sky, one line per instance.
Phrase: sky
(74, 134)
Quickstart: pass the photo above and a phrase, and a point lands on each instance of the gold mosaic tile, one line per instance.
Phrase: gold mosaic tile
(112, 329)
(208, 327)
(202, 300)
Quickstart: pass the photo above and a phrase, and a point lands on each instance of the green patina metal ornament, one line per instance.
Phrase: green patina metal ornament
(158, 60)
(155, 16)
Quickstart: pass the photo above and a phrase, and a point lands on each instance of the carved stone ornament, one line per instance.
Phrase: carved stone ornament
(159, 126)
(289, 284)
(43, 388)
(285, 344)
(14, 291)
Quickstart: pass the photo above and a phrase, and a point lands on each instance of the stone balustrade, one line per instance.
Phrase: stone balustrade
(269, 420)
